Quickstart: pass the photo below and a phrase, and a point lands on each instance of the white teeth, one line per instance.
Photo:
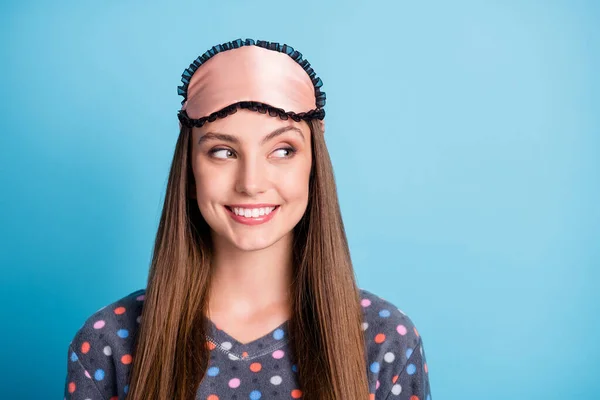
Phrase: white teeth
(253, 212)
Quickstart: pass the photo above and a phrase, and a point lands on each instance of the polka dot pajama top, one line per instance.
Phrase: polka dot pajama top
(100, 356)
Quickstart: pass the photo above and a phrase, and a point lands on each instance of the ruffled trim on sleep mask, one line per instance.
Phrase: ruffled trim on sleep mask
(252, 106)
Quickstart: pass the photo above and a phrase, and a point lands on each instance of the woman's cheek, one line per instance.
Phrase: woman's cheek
(296, 187)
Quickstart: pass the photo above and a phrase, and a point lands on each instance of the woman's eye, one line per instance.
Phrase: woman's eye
(221, 153)
(285, 152)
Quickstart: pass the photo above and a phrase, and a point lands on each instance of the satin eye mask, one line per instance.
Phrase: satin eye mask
(261, 76)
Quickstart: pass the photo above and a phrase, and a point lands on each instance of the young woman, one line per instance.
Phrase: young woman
(251, 292)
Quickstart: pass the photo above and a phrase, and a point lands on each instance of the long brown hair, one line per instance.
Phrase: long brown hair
(171, 356)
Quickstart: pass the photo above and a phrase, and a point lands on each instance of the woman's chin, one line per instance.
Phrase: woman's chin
(253, 243)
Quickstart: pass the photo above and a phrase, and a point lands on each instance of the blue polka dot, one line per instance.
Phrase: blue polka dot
(294, 368)
(126, 389)
(99, 374)
(409, 353)
(278, 334)
(374, 367)
(74, 357)
(213, 371)
(384, 313)
(411, 369)
(123, 333)
(255, 395)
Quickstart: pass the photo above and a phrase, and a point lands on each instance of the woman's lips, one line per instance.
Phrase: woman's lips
(252, 220)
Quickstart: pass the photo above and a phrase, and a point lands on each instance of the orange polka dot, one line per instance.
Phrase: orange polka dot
(296, 393)
(255, 367)
(71, 387)
(212, 397)
(413, 397)
(380, 338)
(371, 396)
(114, 398)
(119, 310)
(416, 333)
(85, 347)
(245, 354)
(126, 359)
(210, 345)
(425, 367)
(395, 378)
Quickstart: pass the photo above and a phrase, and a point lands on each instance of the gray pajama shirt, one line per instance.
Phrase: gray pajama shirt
(100, 357)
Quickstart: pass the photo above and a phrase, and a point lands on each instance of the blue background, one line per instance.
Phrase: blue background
(464, 137)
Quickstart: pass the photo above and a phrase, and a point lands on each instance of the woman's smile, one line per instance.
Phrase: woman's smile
(252, 214)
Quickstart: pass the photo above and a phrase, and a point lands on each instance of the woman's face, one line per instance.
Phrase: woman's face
(252, 174)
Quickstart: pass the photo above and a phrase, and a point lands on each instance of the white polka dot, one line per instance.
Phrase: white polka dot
(365, 325)
(232, 356)
(396, 389)
(226, 345)
(138, 319)
(276, 380)
(389, 357)
(107, 350)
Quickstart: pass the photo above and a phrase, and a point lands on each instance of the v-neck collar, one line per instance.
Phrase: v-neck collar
(235, 350)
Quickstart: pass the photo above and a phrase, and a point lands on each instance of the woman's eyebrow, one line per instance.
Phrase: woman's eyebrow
(233, 139)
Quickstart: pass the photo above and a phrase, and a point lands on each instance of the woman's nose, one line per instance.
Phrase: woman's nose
(252, 177)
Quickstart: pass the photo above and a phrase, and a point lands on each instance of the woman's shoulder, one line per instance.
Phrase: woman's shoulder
(395, 354)
(101, 351)
(119, 318)
(382, 315)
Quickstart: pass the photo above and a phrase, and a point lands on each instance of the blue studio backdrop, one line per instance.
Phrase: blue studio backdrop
(465, 142)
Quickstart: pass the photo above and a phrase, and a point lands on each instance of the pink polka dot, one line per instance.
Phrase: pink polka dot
(278, 354)
(377, 385)
(401, 329)
(99, 324)
(365, 302)
(233, 383)
(141, 297)
(87, 375)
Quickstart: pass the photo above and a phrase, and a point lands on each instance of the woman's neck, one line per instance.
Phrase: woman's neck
(247, 283)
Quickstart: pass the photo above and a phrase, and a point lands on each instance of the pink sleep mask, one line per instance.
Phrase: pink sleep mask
(259, 76)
